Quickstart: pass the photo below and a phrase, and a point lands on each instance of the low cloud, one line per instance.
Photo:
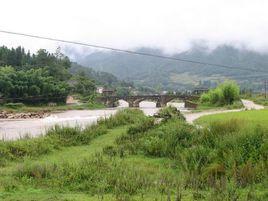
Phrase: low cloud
(172, 25)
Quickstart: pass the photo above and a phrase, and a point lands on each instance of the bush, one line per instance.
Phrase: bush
(169, 112)
(66, 136)
(141, 127)
(123, 117)
(225, 94)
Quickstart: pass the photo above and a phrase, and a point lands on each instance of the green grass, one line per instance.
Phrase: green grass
(150, 162)
(250, 117)
(96, 145)
(204, 106)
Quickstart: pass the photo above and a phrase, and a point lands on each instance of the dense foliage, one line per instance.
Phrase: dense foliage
(104, 79)
(225, 94)
(34, 85)
(40, 77)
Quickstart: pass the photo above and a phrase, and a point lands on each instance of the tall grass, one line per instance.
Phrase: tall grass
(97, 175)
(222, 161)
(217, 154)
(58, 137)
(123, 117)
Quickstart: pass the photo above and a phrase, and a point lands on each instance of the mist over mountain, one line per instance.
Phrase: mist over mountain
(173, 75)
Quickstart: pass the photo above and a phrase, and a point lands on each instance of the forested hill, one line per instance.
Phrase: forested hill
(168, 74)
(45, 77)
(101, 78)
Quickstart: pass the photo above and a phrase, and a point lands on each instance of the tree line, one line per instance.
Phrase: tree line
(40, 77)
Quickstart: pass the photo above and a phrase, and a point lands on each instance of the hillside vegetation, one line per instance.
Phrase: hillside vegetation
(173, 75)
(48, 77)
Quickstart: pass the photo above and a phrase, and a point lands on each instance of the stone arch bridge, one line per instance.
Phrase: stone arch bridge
(161, 100)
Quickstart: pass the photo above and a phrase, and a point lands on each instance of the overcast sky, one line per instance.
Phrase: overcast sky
(170, 24)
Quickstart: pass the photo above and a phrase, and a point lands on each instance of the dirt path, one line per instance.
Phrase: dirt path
(249, 105)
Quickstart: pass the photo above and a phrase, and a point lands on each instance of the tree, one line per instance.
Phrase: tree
(225, 94)
(34, 85)
(230, 92)
(83, 85)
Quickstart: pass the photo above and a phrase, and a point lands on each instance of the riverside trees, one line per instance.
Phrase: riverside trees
(40, 77)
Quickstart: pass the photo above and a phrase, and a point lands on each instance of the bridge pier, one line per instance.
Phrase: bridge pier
(130, 103)
(189, 104)
(110, 103)
(158, 104)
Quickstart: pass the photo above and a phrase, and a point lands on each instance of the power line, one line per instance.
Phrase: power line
(132, 52)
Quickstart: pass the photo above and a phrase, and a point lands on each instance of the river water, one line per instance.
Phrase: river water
(18, 128)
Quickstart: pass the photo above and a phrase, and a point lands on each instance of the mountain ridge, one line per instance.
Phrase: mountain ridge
(170, 75)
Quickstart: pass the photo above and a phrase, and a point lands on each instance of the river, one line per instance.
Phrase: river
(11, 129)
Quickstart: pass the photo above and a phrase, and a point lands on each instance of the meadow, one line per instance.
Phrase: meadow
(248, 117)
(133, 157)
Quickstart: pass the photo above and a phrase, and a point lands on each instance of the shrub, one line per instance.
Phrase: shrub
(225, 94)
(141, 127)
(66, 136)
(169, 112)
(230, 92)
(123, 117)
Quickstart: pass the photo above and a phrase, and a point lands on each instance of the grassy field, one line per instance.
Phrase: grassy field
(129, 157)
(203, 107)
(250, 117)
(72, 154)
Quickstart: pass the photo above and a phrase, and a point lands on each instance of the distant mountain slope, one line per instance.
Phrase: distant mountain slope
(101, 78)
(168, 74)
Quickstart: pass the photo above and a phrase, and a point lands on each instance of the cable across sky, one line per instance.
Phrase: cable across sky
(134, 52)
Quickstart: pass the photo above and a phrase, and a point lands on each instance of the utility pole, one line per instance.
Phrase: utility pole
(265, 88)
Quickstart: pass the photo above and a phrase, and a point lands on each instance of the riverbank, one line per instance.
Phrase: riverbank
(28, 115)
(11, 129)
(50, 109)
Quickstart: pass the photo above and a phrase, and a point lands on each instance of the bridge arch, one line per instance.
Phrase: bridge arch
(160, 100)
